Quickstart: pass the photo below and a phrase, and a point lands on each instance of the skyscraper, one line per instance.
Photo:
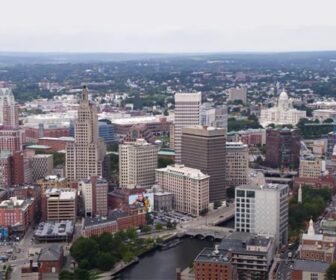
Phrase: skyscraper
(187, 113)
(263, 210)
(137, 163)
(203, 148)
(84, 157)
(9, 114)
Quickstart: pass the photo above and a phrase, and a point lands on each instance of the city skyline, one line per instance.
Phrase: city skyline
(149, 26)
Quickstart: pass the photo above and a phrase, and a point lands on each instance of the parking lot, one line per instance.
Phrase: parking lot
(173, 217)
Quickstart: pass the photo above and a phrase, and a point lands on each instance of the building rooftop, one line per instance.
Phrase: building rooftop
(140, 120)
(232, 145)
(112, 217)
(51, 253)
(267, 187)
(38, 147)
(53, 229)
(63, 138)
(213, 255)
(65, 193)
(166, 153)
(311, 266)
(182, 170)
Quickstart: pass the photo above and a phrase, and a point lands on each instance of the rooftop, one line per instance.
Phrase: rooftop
(38, 147)
(311, 266)
(50, 229)
(182, 170)
(65, 193)
(267, 187)
(213, 255)
(51, 253)
(139, 120)
(112, 217)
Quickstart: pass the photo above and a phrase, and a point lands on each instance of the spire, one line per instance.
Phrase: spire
(300, 195)
(311, 230)
(85, 94)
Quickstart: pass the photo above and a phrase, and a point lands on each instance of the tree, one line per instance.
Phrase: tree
(158, 226)
(163, 162)
(146, 228)
(217, 204)
(81, 274)
(104, 261)
(331, 272)
(84, 248)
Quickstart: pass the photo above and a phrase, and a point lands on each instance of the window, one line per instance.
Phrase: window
(240, 193)
(250, 194)
(313, 276)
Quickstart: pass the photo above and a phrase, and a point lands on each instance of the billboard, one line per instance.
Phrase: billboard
(143, 199)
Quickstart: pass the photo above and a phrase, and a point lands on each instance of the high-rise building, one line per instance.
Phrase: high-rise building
(189, 186)
(214, 116)
(9, 113)
(331, 144)
(283, 148)
(5, 169)
(237, 164)
(263, 210)
(59, 205)
(84, 157)
(203, 148)
(94, 192)
(137, 163)
(187, 113)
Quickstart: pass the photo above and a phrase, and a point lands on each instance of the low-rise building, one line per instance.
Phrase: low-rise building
(310, 167)
(55, 231)
(116, 221)
(305, 269)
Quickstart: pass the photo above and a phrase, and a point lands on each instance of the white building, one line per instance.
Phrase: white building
(238, 94)
(137, 163)
(189, 186)
(324, 114)
(187, 113)
(9, 113)
(263, 210)
(282, 114)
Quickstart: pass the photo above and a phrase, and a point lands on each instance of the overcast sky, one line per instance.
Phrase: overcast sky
(167, 25)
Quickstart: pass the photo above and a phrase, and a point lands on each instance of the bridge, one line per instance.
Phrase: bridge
(212, 232)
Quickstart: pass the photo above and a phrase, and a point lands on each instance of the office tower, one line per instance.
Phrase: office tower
(84, 157)
(189, 186)
(214, 116)
(203, 148)
(187, 113)
(283, 148)
(5, 169)
(263, 210)
(106, 131)
(42, 165)
(238, 94)
(137, 163)
(59, 205)
(237, 164)
(9, 114)
(94, 192)
(17, 164)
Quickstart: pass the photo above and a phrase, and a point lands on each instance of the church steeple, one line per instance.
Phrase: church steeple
(311, 230)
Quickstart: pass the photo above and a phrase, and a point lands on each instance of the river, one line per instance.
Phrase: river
(162, 264)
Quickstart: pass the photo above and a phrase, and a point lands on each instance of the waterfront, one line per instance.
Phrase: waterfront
(162, 264)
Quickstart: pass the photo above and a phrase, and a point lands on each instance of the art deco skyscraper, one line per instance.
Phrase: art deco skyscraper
(187, 113)
(84, 157)
(9, 116)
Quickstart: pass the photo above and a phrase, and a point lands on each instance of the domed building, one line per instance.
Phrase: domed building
(282, 114)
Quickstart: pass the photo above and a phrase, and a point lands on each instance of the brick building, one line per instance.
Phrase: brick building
(282, 148)
(55, 144)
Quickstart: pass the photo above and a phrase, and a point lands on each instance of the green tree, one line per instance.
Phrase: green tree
(331, 272)
(163, 162)
(158, 226)
(84, 248)
(81, 274)
(104, 261)
(146, 228)
(217, 204)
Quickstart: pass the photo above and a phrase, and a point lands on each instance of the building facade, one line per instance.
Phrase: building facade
(59, 205)
(215, 117)
(263, 210)
(137, 163)
(189, 186)
(9, 113)
(238, 94)
(42, 165)
(187, 113)
(204, 148)
(94, 192)
(283, 148)
(310, 168)
(84, 157)
(236, 164)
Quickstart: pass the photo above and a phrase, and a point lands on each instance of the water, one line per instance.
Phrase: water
(162, 264)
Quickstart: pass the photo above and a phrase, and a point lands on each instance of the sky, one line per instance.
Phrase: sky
(167, 25)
